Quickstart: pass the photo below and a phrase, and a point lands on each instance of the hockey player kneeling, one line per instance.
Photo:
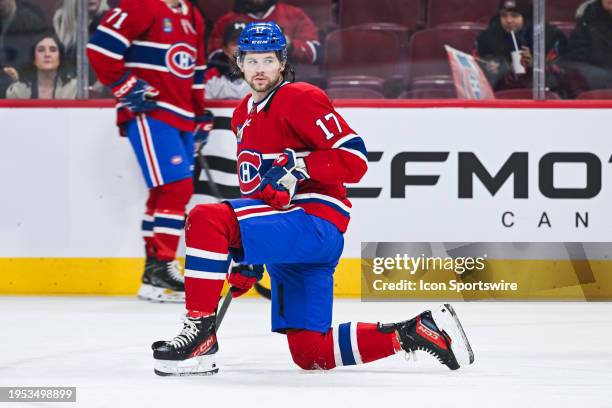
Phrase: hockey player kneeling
(295, 153)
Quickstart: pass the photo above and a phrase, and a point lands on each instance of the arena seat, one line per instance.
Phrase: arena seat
(427, 56)
(562, 10)
(596, 94)
(523, 93)
(566, 27)
(359, 51)
(309, 73)
(433, 82)
(358, 81)
(353, 93)
(320, 11)
(448, 11)
(407, 13)
(429, 93)
(464, 25)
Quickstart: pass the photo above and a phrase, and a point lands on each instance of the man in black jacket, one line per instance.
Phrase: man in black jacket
(20, 24)
(589, 54)
(495, 45)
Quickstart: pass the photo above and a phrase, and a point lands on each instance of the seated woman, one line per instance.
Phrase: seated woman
(45, 77)
(495, 46)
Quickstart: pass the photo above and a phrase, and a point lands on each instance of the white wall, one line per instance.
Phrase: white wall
(72, 188)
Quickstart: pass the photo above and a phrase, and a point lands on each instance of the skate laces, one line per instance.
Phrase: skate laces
(188, 334)
(411, 353)
(175, 270)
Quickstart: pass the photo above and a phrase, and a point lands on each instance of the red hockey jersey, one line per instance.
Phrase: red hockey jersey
(296, 25)
(159, 44)
(301, 117)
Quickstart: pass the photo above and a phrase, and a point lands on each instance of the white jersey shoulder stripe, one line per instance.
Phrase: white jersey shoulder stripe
(344, 140)
(104, 51)
(356, 153)
(115, 34)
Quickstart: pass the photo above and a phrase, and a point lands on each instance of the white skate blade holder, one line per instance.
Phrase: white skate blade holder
(446, 319)
(160, 295)
(201, 365)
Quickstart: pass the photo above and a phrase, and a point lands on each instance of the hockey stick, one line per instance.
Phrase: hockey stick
(263, 291)
(224, 306)
(211, 183)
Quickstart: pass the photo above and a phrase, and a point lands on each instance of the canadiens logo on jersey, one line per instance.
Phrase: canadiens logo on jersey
(180, 60)
(249, 164)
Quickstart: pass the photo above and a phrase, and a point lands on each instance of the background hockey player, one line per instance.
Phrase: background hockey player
(151, 54)
(295, 152)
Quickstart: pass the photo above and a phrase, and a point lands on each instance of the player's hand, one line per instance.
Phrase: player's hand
(279, 184)
(136, 95)
(243, 277)
(203, 126)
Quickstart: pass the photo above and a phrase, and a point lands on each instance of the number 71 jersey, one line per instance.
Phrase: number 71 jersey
(301, 117)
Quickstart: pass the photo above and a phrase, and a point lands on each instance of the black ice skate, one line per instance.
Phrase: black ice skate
(162, 281)
(439, 334)
(192, 352)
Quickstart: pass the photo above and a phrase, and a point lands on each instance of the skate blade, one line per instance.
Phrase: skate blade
(446, 319)
(201, 365)
(160, 295)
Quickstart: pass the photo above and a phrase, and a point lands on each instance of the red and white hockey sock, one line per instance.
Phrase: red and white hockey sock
(167, 230)
(210, 231)
(169, 217)
(359, 343)
(148, 222)
(348, 344)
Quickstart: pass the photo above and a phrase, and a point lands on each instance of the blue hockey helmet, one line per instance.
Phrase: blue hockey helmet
(262, 37)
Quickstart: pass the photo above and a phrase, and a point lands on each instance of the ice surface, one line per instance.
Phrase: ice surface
(527, 355)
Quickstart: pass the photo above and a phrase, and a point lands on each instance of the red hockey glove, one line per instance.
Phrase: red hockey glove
(243, 277)
(279, 184)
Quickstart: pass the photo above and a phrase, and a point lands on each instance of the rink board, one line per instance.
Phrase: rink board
(70, 222)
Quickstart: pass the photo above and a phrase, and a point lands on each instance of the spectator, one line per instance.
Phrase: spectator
(65, 23)
(495, 46)
(589, 53)
(222, 80)
(299, 30)
(46, 77)
(20, 23)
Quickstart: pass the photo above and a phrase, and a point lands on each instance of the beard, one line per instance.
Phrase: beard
(264, 86)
